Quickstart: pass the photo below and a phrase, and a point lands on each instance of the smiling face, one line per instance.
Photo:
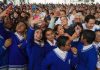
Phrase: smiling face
(50, 35)
(60, 30)
(21, 27)
(38, 35)
(90, 23)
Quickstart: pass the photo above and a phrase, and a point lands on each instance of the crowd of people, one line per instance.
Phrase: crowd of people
(50, 37)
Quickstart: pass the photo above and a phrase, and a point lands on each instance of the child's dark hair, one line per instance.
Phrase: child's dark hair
(61, 41)
(88, 17)
(89, 36)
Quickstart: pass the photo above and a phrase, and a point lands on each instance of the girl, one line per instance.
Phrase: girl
(50, 42)
(35, 49)
(17, 56)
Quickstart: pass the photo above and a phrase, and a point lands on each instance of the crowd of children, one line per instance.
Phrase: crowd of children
(50, 37)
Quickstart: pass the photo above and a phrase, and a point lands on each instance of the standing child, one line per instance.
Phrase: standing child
(35, 49)
(50, 42)
(86, 52)
(60, 58)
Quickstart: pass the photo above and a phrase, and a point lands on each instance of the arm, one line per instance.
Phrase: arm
(51, 24)
(4, 45)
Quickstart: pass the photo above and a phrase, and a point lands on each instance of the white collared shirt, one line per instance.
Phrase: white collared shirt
(52, 44)
(20, 37)
(61, 54)
(93, 29)
(97, 45)
(87, 47)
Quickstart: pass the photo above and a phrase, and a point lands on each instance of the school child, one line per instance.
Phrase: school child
(60, 58)
(50, 42)
(17, 55)
(96, 43)
(87, 53)
(35, 49)
(4, 44)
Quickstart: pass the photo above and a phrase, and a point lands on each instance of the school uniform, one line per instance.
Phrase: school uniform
(97, 46)
(4, 52)
(35, 51)
(3, 55)
(48, 46)
(59, 60)
(17, 56)
(95, 27)
(87, 56)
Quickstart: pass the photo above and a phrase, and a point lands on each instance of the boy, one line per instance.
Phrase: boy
(86, 52)
(60, 58)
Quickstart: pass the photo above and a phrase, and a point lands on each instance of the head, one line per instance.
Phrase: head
(87, 37)
(64, 21)
(23, 14)
(15, 14)
(59, 29)
(63, 13)
(21, 27)
(90, 21)
(97, 39)
(63, 43)
(78, 18)
(38, 35)
(7, 22)
(49, 34)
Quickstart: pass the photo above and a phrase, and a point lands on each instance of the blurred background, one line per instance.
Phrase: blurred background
(18, 2)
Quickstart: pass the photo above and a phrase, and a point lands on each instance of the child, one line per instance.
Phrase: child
(86, 52)
(35, 49)
(50, 42)
(17, 55)
(97, 45)
(60, 58)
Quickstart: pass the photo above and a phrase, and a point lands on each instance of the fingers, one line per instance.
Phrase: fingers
(74, 50)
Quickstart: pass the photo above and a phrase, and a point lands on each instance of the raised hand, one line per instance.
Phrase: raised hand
(74, 50)
(34, 21)
(7, 43)
(6, 12)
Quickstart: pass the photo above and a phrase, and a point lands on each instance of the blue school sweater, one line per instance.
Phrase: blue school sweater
(17, 56)
(48, 48)
(3, 55)
(87, 58)
(35, 52)
(54, 62)
(13, 56)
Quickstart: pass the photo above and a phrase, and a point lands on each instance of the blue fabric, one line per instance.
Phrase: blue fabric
(87, 59)
(54, 62)
(35, 52)
(48, 48)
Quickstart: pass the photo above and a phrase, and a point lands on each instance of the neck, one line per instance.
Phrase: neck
(20, 33)
(52, 41)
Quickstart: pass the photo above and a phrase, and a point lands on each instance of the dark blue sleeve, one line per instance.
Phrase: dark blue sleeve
(29, 40)
(2, 48)
(74, 60)
(47, 62)
(30, 35)
(92, 61)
